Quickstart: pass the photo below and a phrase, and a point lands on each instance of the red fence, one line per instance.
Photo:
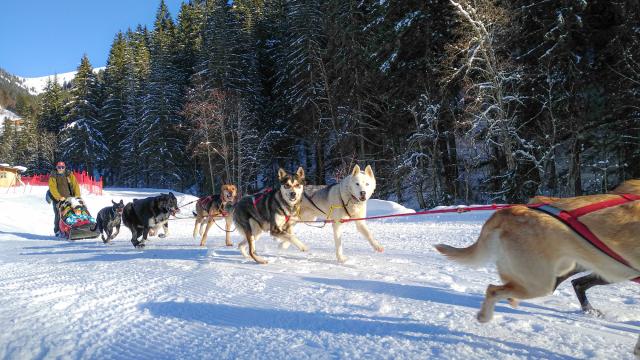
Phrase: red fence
(86, 182)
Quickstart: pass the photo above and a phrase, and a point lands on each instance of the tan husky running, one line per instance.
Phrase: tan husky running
(216, 205)
(532, 249)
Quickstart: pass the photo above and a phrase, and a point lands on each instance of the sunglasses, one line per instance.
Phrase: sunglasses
(60, 167)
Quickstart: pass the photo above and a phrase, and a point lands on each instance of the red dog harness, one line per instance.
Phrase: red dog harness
(571, 219)
(259, 196)
(205, 202)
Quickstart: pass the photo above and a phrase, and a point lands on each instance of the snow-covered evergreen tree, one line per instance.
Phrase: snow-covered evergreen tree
(113, 110)
(137, 73)
(82, 144)
(162, 148)
(52, 107)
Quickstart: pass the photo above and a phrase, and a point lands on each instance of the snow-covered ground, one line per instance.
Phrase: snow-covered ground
(84, 299)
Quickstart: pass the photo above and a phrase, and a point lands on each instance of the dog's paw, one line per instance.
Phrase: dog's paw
(513, 302)
(284, 245)
(342, 259)
(379, 248)
(162, 236)
(203, 244)
(244, 252)
(593, 312)
(483, 317)
(228, 243)
(304, 248)
(140, 246)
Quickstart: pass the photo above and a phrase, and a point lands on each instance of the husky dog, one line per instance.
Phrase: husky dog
(532, 249)
(344, 200)
(209, 207)
(109, 218)
(581, 284)
(144, 216)
(275, 211)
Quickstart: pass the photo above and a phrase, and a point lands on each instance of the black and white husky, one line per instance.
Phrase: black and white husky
(275, 211)
(344, 200)
(146, 216)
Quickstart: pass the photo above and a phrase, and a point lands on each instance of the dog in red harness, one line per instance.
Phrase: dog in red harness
(212, 206)
(275, 211)
(535, 245)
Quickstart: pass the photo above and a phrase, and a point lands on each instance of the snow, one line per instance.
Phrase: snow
(36, 85)
(84, 299)
(406, 21)
(7, 115)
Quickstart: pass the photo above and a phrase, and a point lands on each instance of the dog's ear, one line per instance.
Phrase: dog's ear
(121, 202)
(300, 174)
(356, 170)
(368, 171)
(281, 174)
(113, 202)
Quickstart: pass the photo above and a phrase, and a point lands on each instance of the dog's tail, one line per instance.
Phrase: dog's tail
(479, 253)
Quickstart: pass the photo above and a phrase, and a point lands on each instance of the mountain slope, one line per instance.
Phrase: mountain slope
(36, 85)
(11, 88)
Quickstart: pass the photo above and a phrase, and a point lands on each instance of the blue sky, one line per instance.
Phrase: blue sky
(43, 37)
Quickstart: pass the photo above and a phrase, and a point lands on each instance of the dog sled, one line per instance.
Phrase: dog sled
(75, 220)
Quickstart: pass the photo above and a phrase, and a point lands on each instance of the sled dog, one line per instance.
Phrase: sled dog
(531, 249)
(344, 200)
(216, 205)
(145, 216)
(274, 211)
(109, 218)
(581, 284)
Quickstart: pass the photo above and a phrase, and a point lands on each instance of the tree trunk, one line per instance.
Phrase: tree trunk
(575, 179)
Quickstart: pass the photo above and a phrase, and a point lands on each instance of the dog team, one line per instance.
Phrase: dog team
(273, 211)
(535, 247)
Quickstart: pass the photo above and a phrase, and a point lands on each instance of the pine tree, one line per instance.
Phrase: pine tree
(113, 111)
(51, 115)
(82, 144)
(188, 47)
(301, 83)
(8, 142)
(137, 64)
(162, 148)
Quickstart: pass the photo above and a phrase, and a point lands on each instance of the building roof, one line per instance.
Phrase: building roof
(7, 167)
